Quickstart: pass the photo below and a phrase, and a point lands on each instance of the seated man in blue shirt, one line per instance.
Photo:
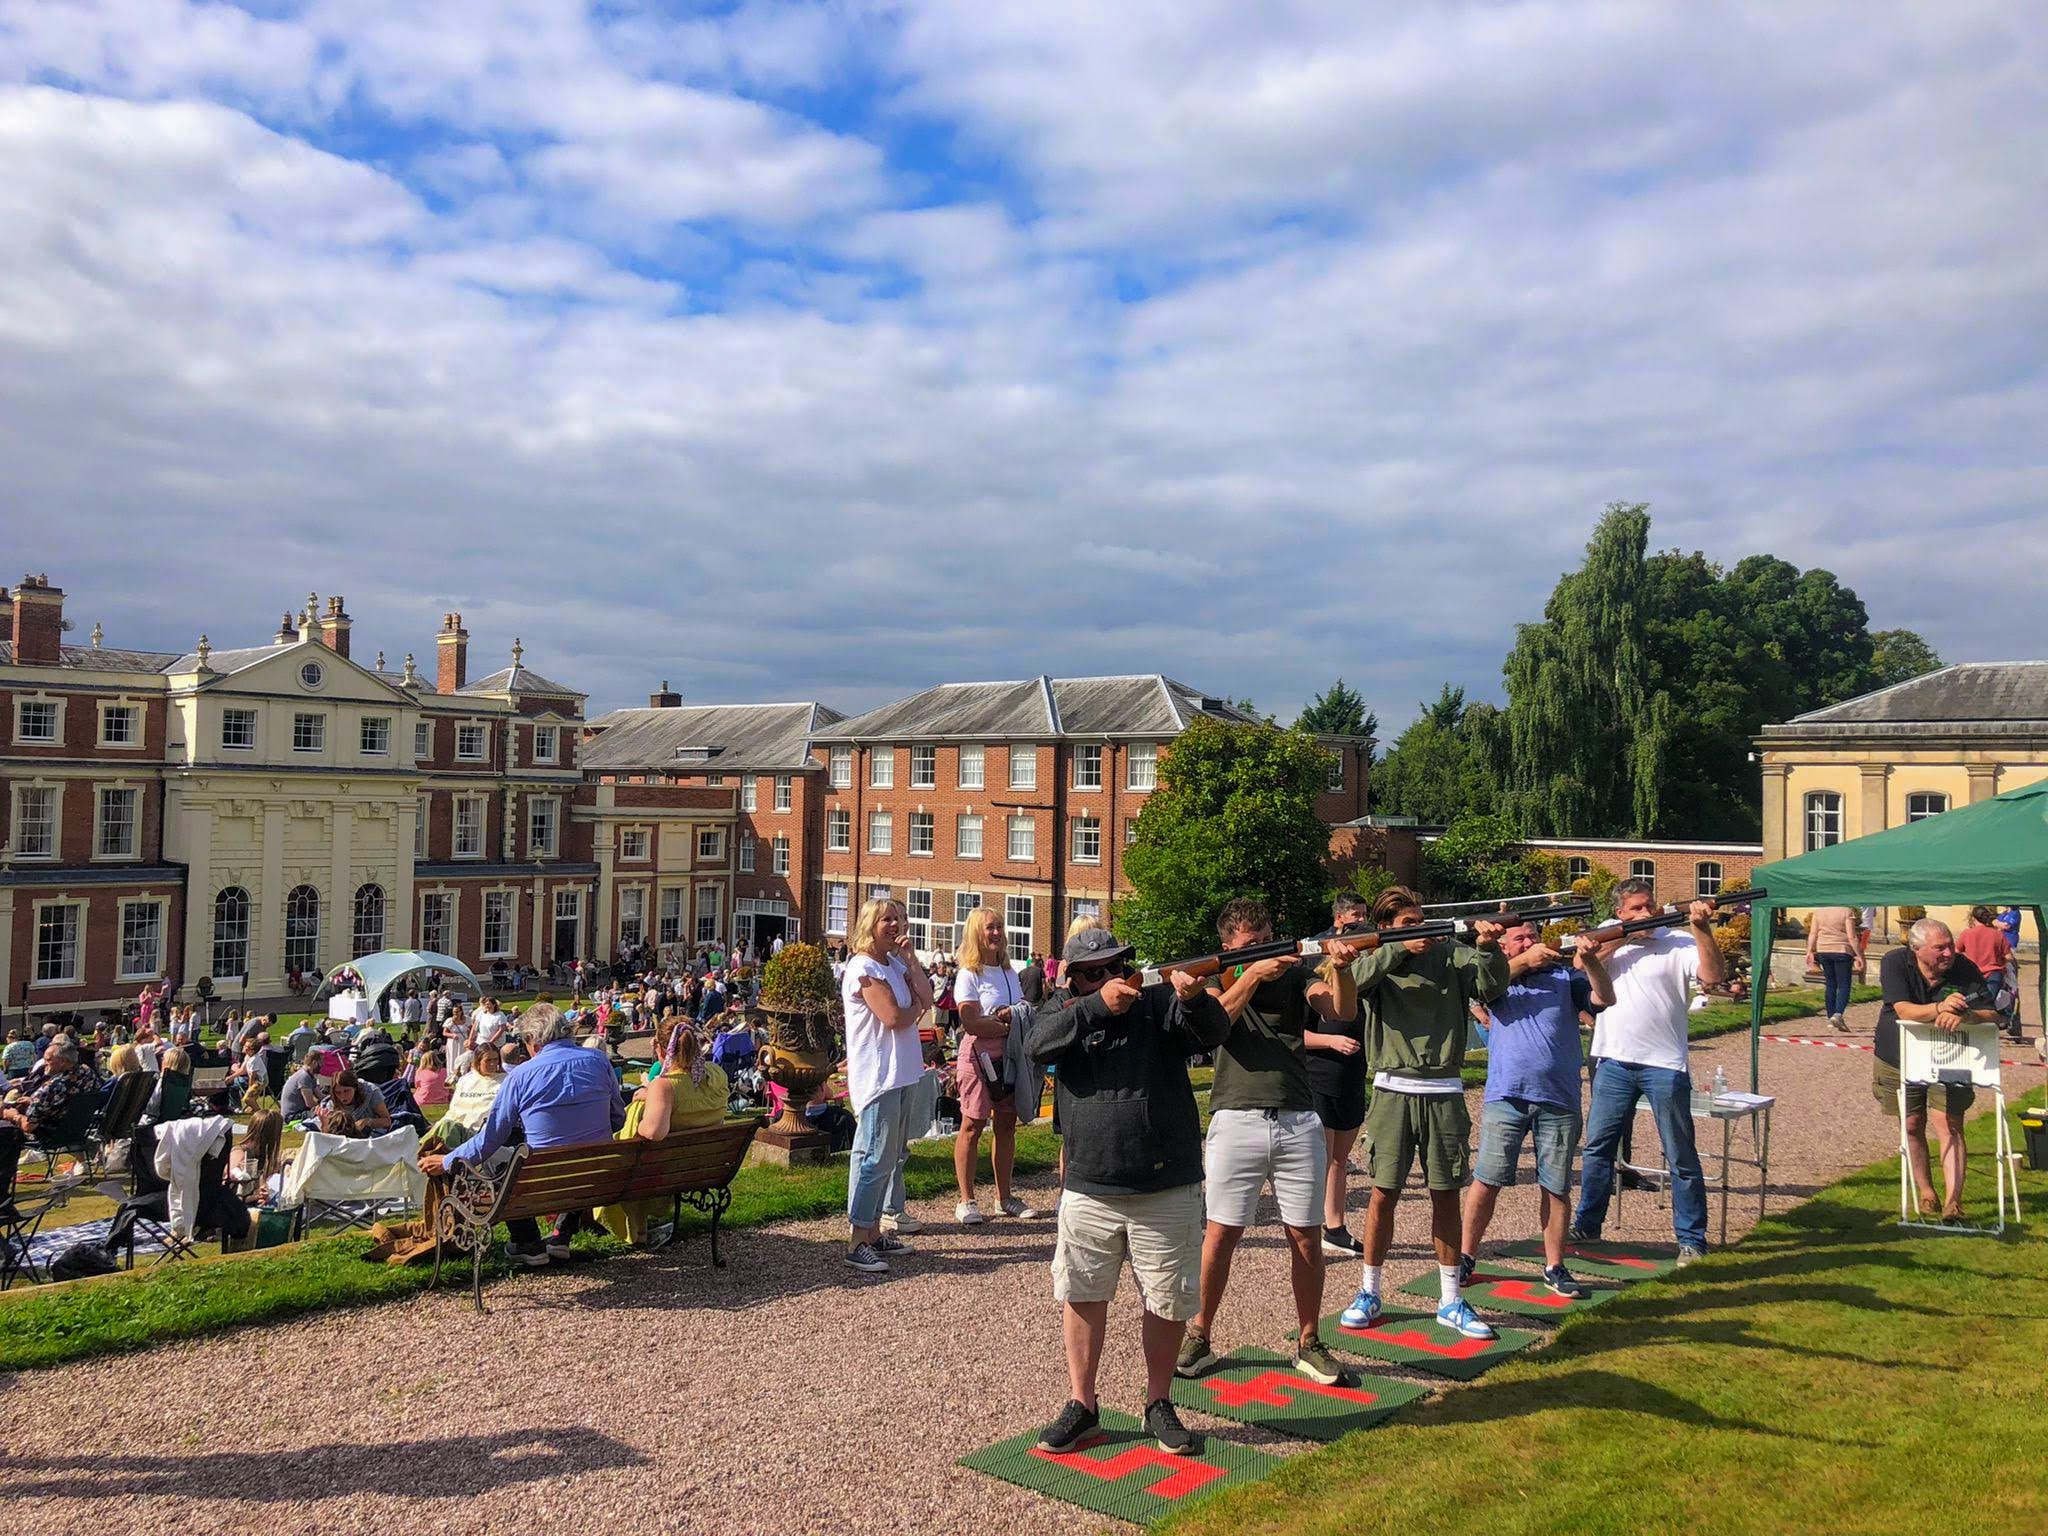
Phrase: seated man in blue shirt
(562, 1096)
(1532, 1090)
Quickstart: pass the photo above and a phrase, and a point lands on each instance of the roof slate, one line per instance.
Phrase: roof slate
(1038, 709)
(521, 679)
(1969, 695)
(87, 658)
(746, 736)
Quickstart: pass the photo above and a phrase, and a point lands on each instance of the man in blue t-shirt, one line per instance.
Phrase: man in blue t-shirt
(1532, 1090)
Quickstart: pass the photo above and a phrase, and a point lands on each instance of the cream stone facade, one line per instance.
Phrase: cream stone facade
(1949, 739)
(290, 796)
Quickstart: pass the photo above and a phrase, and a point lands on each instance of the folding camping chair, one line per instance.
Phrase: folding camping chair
(353, 1180)
(19, 1221)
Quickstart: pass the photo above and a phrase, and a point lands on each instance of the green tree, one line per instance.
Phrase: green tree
(1899, 656)
(1482, 856)
(1586, 734)
(1234, 815)
(1440, 767)
(1339, 710)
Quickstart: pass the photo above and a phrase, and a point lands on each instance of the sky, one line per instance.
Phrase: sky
(832, 351)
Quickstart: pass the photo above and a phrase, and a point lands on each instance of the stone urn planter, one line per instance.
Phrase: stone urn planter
(800, 1005)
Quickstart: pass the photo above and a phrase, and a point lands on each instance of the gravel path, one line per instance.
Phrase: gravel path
(654, 1393)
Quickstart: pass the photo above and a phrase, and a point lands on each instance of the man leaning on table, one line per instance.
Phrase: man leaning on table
(1641, 1044)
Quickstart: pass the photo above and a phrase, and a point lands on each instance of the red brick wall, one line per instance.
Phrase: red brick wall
(1676, 865)
(100, 934)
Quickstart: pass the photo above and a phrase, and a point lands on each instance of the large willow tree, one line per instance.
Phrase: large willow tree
(1586, 731)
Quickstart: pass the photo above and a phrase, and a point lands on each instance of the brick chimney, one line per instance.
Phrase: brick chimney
(38, 621)
(666, 699)
(334, 627)
(452, 644)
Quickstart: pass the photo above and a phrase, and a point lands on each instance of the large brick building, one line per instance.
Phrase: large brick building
(256, 811)
(1024, 793)
(246, 813)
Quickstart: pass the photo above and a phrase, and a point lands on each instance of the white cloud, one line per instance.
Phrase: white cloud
(1102, 413)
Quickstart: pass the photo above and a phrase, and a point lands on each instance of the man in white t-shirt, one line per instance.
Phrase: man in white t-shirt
(1640, 1044)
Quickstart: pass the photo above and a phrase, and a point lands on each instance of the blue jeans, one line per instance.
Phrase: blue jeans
(874, 1174)
(1617, 1085)
(1834, 970)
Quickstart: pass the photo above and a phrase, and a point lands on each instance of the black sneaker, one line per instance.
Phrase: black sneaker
(1630, 1179)
(1165, 1427)
(862, 1256)
(531, 1255)
(888, 1242)
(557, 1244)
(1338, 1243)
(1467, 1267)
(1563, 1282)
(1075, 1429)
(1580, 1236)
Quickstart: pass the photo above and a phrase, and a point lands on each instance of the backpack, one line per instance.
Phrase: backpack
(82, 1259)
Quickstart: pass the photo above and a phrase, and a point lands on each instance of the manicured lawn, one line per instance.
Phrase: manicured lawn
(1829, 1374)
(48, 1325)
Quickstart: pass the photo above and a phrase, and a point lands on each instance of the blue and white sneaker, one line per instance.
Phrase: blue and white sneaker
(1460, 1317)
(1363, 1312)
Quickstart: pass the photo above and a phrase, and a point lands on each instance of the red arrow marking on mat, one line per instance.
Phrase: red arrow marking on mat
(1416, 1339)
(1626, 1260)
(1185, 1476)
(1523, 1290)
(1276, 1389)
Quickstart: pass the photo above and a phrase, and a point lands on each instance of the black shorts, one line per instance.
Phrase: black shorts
(1339, 1095)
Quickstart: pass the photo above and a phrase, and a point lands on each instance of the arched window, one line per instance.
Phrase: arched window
(231, 932)
(1823, 819)
(369, 929)
(1925, 803)
(1578, 867)
(1707, 878)
(302, 929)
(1644, 869)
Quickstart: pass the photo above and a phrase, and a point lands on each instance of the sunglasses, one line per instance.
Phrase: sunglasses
(1096, 972)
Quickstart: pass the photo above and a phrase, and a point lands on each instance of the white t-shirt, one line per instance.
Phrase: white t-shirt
(490, 1026)
(991, 986)
(877, 1058)
(1646, 1025)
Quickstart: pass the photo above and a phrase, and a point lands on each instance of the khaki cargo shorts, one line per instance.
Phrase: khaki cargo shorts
(1884, 1087)
(1437, 1127)
(1160, 1234)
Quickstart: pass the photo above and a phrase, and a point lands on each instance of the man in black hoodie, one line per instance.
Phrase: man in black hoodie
(1134, 1169)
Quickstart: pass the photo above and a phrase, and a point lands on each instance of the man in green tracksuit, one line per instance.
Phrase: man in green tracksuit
(1417, 996)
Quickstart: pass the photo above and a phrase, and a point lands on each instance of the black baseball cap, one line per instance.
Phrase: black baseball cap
(1093, 946)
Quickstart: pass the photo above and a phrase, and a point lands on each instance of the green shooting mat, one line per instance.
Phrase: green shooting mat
(1125, 1475)
(1409, 1338)
(1497, 1288)
(1612, 1261)
(1259, 1387)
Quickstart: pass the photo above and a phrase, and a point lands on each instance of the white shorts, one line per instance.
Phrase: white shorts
(1249, 1147)
(1161, 1235)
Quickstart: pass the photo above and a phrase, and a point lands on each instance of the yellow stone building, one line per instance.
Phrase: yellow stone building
(1951, 738)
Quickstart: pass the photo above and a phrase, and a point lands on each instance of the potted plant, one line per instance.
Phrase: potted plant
(801, 1003)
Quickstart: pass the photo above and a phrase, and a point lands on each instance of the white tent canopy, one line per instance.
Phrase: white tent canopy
(387, 967)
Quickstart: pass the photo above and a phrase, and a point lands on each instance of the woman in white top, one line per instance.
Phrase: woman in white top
(986, 990)
(885, 993)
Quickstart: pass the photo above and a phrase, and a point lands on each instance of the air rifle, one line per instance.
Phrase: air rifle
(1363, 939)
(1662, 919)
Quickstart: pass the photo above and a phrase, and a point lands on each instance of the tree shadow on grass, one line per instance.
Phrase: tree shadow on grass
(1735, 1334)
(1607, 1391)
(462, 1466)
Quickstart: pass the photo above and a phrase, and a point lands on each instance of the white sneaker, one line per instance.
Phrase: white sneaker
(968, 1214)
(905, 1225)
(1015, 1207)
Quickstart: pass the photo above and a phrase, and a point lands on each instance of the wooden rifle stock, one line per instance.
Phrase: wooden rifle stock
(1664, 919)
(1364, 939)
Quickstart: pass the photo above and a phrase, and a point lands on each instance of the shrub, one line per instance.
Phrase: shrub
(799, 980)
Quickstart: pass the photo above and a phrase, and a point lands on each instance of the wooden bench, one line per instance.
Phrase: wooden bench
(695, 1165)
